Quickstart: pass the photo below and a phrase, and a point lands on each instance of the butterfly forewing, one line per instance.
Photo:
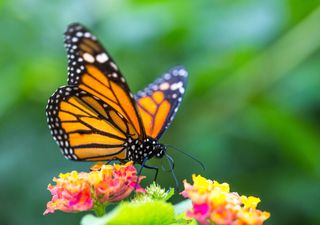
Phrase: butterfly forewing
(158, 103)
(92, 69)
(85, 127)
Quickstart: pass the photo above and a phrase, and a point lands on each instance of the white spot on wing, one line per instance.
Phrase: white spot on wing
(102, 58)
(175, 72)
(164, 86)
(167, 76)
(87, 34)
(89, 58)
(175, 86)
(79, 34)
(113, 66)
(183, 72)
(154, 87)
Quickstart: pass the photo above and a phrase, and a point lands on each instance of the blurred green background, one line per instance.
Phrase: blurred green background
(251, 112)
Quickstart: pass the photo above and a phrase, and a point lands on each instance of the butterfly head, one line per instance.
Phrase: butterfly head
(153, 148)
(160, 150)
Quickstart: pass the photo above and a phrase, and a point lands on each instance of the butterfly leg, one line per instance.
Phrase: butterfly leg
(143, 165)
(139, 172)
(97, 166)
(153, 168)
(109, 162)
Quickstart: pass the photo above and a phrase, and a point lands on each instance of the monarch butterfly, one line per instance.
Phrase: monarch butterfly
(96, 117)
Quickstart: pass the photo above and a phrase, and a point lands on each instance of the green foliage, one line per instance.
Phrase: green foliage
(181, 219)
(138, 213)
(153, 193)
(146, 208)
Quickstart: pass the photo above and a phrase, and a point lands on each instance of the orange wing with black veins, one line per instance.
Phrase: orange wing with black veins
(159, 102)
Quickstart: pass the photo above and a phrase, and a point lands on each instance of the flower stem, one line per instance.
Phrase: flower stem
(100, 210)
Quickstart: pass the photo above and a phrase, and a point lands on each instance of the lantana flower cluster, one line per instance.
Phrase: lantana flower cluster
(82, 191)
(213, 203)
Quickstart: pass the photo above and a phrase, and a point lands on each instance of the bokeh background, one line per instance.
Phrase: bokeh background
(251, 112)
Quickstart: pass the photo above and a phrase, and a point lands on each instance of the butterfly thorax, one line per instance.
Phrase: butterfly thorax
(138, 151)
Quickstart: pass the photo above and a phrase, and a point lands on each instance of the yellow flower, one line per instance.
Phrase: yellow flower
(201, 183)
(250, 202)
(213, 203)
(252, 217)
(217, 198)
(223, 187)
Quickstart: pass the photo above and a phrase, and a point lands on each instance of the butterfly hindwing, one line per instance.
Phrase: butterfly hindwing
(85, 127)
(92, 69)
(158, 103)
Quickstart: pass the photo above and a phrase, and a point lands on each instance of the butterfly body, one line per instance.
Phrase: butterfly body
(138, 151)
(96, 117)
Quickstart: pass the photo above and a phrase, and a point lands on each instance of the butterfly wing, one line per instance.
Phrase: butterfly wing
(92, 69)
(158, 103)
(85, 127)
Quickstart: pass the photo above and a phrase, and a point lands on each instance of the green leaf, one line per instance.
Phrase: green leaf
(93, 220)
(146, 208)
(156, 212)
(183, 219)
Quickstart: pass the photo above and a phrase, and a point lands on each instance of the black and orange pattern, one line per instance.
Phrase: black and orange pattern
(96, 117)
(158, 103)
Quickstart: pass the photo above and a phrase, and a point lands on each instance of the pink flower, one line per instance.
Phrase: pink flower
(200, 212)
(213, 203)
(74, 192)
(70, 194)
(114, 183)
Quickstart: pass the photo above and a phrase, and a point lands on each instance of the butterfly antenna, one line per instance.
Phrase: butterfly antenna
(171, 164)
(189, 155)
(171, 160)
